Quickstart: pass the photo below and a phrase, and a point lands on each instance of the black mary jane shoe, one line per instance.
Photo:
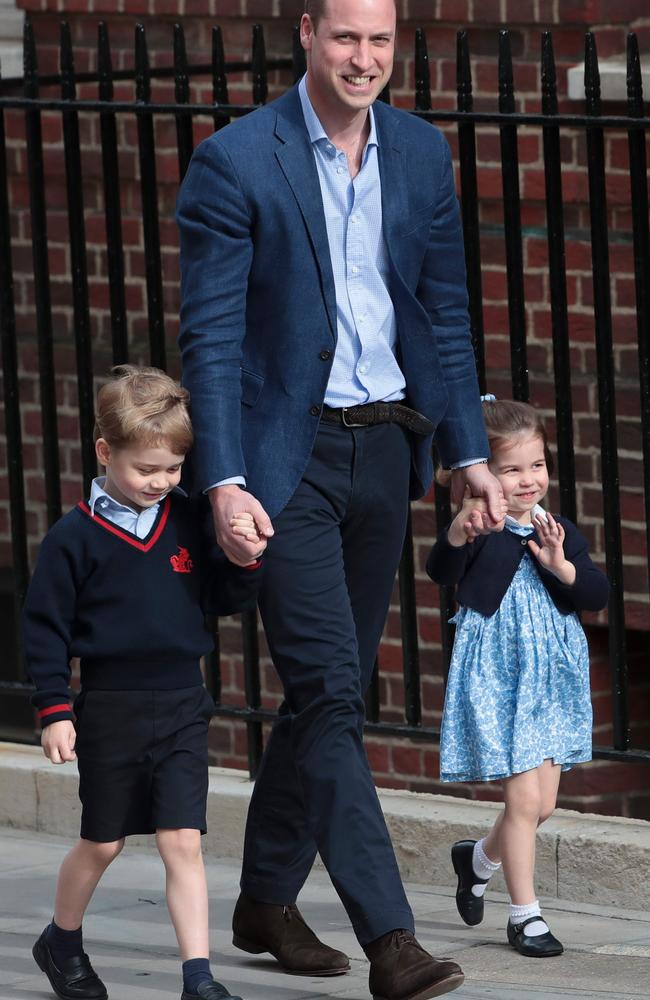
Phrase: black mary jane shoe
(469, 906)
(74, 979)
(209, 990)
(533, 946)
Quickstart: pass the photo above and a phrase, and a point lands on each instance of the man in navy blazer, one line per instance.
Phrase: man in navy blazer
(324, 336)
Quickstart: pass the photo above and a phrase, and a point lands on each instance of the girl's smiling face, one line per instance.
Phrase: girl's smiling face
(520, 466)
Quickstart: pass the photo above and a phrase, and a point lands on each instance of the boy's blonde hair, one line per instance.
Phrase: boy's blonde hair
(143, 406)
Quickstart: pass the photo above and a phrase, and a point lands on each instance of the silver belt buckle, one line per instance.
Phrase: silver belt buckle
(344, 419)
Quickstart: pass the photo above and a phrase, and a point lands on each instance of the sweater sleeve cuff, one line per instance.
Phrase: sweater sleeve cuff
(55, 713)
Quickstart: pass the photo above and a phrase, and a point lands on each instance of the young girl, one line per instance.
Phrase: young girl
(518, 705)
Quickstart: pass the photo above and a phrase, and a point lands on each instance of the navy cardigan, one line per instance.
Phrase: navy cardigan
(484, 568)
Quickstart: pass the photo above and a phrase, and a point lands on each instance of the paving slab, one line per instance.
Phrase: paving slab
(128, 934)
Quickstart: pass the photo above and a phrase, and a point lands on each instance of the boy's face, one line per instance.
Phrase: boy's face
(139, 477)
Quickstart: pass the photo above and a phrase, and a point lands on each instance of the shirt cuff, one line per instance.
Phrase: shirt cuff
(233, 481)
(469, 461)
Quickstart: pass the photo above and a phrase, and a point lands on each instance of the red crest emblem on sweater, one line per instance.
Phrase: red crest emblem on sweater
(181, 563)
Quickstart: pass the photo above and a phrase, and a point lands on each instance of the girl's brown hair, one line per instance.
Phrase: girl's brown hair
(143, 406)
(508, 418)
(505, 419)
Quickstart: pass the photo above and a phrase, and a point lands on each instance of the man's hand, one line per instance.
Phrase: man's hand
(482, 484)
(471, 521)
(58, 740)
(227, 503)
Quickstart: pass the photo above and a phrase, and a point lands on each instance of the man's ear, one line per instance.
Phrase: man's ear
(306, 31)
(103, 451)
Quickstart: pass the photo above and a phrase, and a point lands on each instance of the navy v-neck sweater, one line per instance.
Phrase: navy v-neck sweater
(133, 610)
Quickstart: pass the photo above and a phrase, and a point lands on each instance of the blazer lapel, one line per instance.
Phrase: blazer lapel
(394, 186)
(296, 159)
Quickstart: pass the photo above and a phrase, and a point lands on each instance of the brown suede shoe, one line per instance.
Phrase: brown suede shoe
(281, 930)
(400, 969)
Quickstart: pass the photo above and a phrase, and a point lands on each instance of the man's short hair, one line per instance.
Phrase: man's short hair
(315, 9)
(143, 407)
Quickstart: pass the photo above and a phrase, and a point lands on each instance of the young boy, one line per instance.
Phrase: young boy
(123, 582)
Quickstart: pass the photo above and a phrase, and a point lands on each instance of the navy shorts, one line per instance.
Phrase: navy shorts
(143, 761)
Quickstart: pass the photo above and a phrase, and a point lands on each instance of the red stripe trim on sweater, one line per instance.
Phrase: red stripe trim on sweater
(52, 709)
(124, 535)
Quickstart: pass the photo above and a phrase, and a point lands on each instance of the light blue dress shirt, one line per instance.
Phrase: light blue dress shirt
(124, 517)
(364, 369)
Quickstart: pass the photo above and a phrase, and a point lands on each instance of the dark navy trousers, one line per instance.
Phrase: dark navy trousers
(329, 572)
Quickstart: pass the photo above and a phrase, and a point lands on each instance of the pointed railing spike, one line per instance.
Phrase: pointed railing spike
(260, 72)
(634, 79)
(465, 99)
(549, 76)
(506, 77)
(298, 58)
(422, 73)
(592, 76)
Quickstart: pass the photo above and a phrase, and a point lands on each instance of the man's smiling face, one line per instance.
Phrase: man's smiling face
(350, 55)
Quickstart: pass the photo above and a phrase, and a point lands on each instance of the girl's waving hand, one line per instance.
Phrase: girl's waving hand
(550, 552)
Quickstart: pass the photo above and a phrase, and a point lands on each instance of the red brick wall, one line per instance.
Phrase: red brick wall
(605, 787)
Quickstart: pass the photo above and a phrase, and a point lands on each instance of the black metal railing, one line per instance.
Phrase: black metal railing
(592, 125)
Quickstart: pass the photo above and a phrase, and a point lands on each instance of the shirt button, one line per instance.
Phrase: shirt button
(325, 355)
(340, 170)
(315, 411)
(363, 369)
(354, 269)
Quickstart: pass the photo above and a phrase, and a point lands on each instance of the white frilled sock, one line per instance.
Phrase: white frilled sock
(483, 867)
(520, 913)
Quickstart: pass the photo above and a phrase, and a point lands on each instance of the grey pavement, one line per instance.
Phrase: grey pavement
(129, 937)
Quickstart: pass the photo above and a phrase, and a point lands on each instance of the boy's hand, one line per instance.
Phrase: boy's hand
(230, 502)
(473, 519)
(58, 741)
(550, 553)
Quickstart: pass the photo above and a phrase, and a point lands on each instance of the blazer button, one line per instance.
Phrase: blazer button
(315, 411)
(325, 355)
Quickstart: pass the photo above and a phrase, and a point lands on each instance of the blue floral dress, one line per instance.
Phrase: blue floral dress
(518, 689)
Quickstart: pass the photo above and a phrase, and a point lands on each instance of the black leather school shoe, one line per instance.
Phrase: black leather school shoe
(537, 946)
(75, 979)
(469, 906)
(209, 990)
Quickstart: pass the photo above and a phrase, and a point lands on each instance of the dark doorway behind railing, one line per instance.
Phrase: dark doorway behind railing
(25, 97)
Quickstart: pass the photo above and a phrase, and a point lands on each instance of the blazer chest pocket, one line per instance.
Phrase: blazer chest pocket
(422, 217)
(251, 387)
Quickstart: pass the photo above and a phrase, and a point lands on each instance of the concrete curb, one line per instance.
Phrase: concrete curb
(580, 857)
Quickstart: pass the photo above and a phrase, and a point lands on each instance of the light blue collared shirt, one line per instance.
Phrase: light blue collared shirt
(138, 524)
(364, 369)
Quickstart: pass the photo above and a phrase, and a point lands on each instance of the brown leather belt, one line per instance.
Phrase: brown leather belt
(367, 414)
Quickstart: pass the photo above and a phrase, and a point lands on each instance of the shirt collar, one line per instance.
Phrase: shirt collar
(97, 493)
(314, 126)
(525, 529)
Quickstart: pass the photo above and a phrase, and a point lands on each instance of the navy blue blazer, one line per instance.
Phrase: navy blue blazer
(258, 314)
(484, 568)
